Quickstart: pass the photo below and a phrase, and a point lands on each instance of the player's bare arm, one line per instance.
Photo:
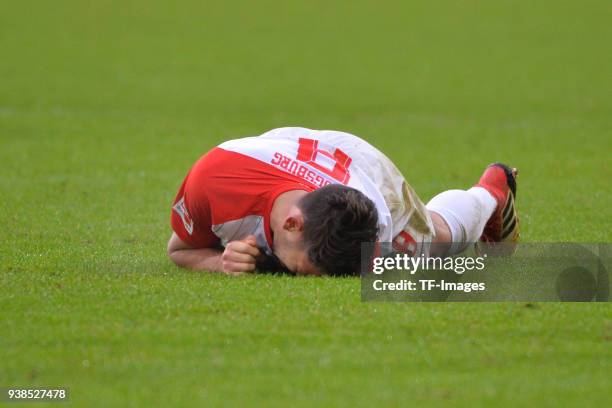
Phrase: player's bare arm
(236, 258)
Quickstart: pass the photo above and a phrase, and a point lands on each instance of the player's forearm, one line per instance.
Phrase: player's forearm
(200, 259)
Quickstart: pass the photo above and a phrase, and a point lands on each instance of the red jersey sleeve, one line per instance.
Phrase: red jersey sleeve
(191, 218)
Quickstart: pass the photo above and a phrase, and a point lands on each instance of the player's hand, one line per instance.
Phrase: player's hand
(240, 256)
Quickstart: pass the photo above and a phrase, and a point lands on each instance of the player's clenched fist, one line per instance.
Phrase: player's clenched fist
(240, 256)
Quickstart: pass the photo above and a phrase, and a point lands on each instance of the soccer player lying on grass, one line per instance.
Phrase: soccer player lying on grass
(307, 199)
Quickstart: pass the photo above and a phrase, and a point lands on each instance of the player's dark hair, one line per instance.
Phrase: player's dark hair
(337, 219)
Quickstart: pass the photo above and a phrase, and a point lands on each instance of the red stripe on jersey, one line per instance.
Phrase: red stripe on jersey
(226, 186)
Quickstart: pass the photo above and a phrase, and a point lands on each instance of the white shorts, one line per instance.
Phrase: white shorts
(413, 229)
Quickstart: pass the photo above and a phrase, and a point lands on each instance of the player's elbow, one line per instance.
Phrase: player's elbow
(172, 251)
(177, 257)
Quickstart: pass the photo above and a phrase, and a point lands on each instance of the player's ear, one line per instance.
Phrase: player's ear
(294, 221)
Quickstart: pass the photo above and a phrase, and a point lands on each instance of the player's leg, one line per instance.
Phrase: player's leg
(484, 212)
(459, 218)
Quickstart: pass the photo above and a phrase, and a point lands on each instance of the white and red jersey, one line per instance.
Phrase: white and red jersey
(229, 192)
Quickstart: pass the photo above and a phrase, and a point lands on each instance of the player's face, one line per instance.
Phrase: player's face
(289, 248)
(303, 266)
(297, 262)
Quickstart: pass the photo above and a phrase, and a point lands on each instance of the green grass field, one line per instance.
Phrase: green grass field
(105, 105)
